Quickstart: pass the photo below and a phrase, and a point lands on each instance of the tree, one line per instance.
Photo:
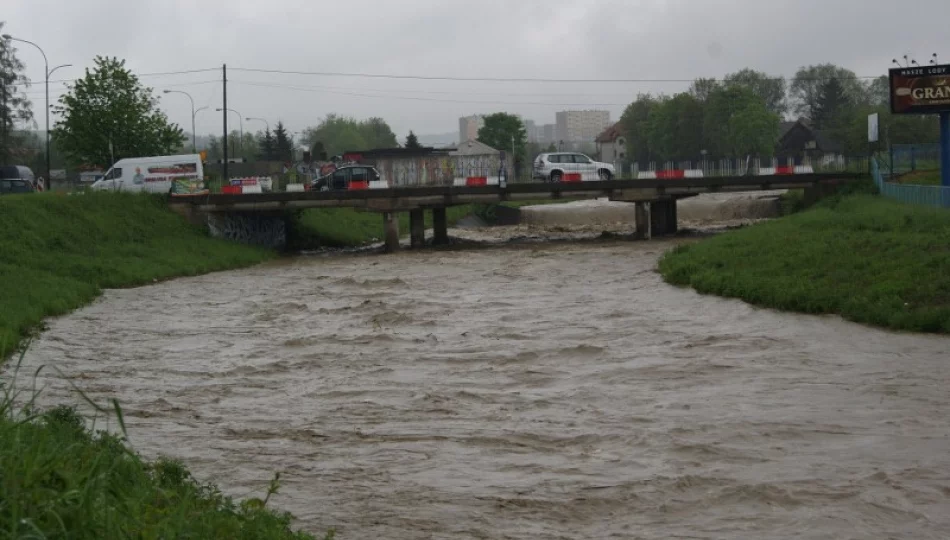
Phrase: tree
(551, 148)
(108, 115)
(807, 85)
(725, 136)
(879, 92)
(634, 122)
(412, 141)
(503, 131)
(771, 90)
(340, 134)
(14, 106)
(702, 88)
(214, 148)
(832, 105)
(283, 149)
(377, 134)
(673, 128)
(753, 130)
(267, 146)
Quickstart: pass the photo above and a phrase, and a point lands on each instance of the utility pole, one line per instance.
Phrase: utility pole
(224, 115)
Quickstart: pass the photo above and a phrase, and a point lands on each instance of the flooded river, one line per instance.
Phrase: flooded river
(521, 392)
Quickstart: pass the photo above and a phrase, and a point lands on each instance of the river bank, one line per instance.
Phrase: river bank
(866, 258)
(59, 252)
(528, 390)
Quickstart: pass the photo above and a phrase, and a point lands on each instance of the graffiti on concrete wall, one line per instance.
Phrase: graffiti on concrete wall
(252, 229)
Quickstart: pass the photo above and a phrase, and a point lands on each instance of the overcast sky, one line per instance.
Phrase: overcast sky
(553, 39)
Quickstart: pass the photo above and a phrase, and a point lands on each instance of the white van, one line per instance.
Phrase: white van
(151, 174)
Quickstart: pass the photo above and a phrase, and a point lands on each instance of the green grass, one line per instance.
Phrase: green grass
(59, 479)
(58, 252)
(921, 178)
(347, 227)
(869, 259)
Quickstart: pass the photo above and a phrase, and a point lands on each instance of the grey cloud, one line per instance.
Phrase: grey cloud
(676, 39)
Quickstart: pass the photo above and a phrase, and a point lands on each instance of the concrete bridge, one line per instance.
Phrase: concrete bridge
(260, 218)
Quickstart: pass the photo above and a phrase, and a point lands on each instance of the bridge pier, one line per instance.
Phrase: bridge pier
(663, 217)
(391, 228)
(441, 225)
(642, 219)
(417, 229)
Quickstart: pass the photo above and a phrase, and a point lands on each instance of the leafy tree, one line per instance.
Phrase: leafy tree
(503, 131)
(753, 130)
(377, 134)
(14, 106)
(806, 88)
(283, 147)
(771, 90)
(725, 136)
(340, 134)
(267, 146)
(214, 148)
(701, 89)
(109, 108)
(879, 92)
(635, 125)
(672, 128)
(412, 141)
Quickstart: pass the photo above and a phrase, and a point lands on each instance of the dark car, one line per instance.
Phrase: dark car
(16, 179)
(341, 178)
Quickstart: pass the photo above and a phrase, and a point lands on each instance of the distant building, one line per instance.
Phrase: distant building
(469, 126)
(581, 126)
(531, 128)
(612, 145)
(798, 139)
(548, 133)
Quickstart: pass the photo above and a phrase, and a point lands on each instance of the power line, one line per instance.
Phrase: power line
(158, 74)
(413, 98)
(62, 90)
(513, 79)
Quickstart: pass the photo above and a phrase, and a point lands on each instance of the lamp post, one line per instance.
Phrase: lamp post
(241, 119)
(260, 120)
(194, 144)
(48, 72)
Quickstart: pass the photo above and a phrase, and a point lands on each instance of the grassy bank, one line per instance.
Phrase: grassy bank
(921, 178)
(57, 252)
(347, 227)
(58, 479)
(866, 258)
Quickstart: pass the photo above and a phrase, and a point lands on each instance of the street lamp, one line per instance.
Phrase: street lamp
(260, 120)
(241, 118)
(48, 72)
(194, 145)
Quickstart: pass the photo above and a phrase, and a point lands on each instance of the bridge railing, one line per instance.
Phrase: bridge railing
(749, 166)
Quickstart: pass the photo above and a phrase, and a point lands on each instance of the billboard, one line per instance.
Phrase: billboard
(920, 89)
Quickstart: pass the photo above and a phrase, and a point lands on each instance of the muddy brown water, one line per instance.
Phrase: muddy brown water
(542, 391)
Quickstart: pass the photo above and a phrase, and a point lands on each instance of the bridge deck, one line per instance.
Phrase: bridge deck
(416, 197)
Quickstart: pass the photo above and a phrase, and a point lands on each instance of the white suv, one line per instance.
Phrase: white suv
(571, 167)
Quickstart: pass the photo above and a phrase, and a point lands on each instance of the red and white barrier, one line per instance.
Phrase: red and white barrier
(673, 174)
(476, 181)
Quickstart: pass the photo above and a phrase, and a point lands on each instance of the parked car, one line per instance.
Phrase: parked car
(340, 179)
(16, 179)
(567, 166)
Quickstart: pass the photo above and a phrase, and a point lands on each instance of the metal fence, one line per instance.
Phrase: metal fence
(935, 196)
